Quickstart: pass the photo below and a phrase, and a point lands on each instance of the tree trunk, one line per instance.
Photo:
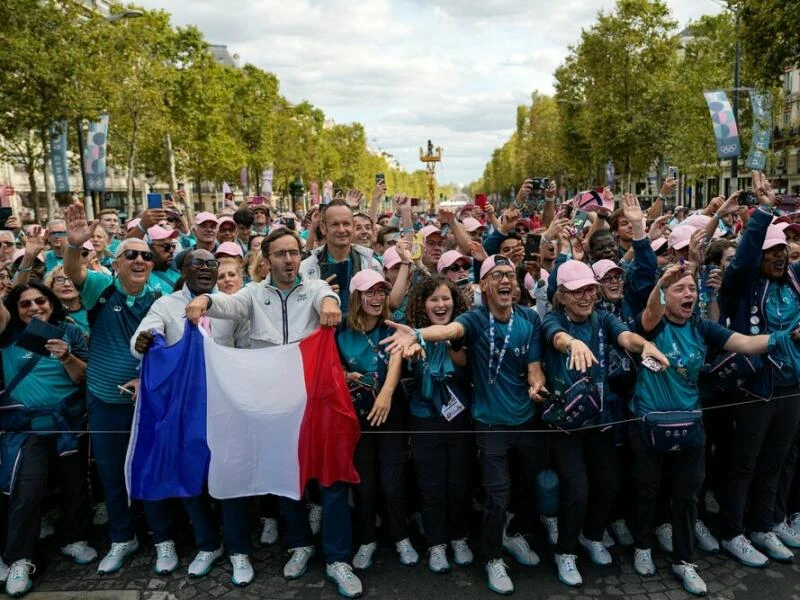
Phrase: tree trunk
(130, 204)
(46, 172)
(30, 159)
(173, 179)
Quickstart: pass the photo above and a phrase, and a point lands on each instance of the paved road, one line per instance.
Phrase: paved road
(58, 579)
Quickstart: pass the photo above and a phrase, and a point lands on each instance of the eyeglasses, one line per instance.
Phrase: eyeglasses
(26, 304)
(167, 247)
(283, 254)
(211, 263)
(61, 280)
(589, 290)
(58, 234)
(375, 292)
(457, 267)
(500, 275)
(523, 231)
(146, 255)
(611, 278)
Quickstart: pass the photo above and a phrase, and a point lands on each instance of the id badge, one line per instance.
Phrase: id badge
(453, 408)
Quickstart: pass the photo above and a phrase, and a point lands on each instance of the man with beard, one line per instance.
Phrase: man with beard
(162, 244)
(167, 317)
(504, 349)
(283, 309)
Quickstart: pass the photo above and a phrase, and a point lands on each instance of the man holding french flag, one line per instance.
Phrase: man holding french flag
(273, 416)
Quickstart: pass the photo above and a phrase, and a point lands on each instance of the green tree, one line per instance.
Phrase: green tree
(769, 33)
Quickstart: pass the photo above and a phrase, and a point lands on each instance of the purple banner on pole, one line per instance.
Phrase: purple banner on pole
(58, 156)
(94, 158)
(762, 130)
(726, 131)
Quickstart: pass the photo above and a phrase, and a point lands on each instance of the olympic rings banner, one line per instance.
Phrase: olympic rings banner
(94, 158)
(726, 132)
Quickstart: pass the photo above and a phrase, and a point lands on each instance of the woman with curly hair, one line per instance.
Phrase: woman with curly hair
(440, 401)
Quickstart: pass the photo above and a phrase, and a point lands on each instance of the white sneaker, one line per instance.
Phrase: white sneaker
(315, 518)
(517, 546)
(116, 556)
(607, 540)
(643, 562)
(166, 558)
(204, 562)
(437, 559)
(742, 550)
(269, 533)
(711, 504)
(619, 529)
(242, 570)
(100, 517)
(497, 577)
(568, 572)
(347, 583)
(81, 552)
(664, 537)
(692, 582)
(19, 578)
(596, 550)
(298, 563)
(705, 541)
(462, 554)
(550, 525)
(46, 529)
(769, 544)
(408, 556)
(787, 535)
(363, 558)
(3, 571)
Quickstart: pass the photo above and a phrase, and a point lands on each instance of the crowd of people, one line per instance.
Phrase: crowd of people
(586, 368)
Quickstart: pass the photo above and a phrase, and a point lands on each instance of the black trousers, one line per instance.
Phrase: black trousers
(441, 464)
(380, 459)
(495, 444)
(590, 471)
(763, 438)
(39, 455)
(687, 470)
(788, 500)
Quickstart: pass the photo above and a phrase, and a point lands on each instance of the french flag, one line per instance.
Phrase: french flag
(248, 422)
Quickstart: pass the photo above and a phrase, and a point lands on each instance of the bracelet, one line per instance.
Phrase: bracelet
(407, 230)
(662, 295)
(140, 228)
(24, 269)
(210, 301)
(406, 262)
(73, 246)
(420, 339)
(661, 197)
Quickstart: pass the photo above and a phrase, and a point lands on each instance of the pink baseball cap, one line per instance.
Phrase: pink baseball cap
(657, 244)
(775, 237)
(699, 221)
(575, 275)
(157, 233)
(367, 279)
(87, 245)
(428, 230)
(18, 254)
(205, 216)
(391, 258)
(229, 249)
(472, 224)
(132, 223)
(602, 267)
(495, 260)
(226, 219)
(449, 258)
(680, 236)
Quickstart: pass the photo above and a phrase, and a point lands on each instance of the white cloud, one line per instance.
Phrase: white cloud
(410, 70)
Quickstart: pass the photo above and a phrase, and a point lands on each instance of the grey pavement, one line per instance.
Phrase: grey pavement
(58, 579)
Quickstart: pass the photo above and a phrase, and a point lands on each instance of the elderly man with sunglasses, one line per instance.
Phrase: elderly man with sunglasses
(116, 306)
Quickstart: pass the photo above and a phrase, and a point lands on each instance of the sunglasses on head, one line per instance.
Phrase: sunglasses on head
(146, 255)
(25, 304)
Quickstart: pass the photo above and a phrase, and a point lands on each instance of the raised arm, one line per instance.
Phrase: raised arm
(79, 231)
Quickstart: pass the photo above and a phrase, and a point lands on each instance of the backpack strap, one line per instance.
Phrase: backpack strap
(21, 374)
(94, 312)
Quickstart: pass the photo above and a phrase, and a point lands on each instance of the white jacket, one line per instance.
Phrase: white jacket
(309, 268)
(275, 319)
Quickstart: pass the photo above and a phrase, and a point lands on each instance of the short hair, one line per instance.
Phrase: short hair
(244, 217)
(8, 233)
(613, 219)
(276, 235)
(332, 204)
(380, 237)
(512, 235)
(125, 244)
(363, 216)
(716, 249)
(108, 211)
(52, 222)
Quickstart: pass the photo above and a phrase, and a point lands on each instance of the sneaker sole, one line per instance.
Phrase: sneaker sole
(23, 592)
(464, 564)
(439, 571)
(409, 564)
(708, 550)
(364, 568)
(339, 588)
(207, 570)
(165, 571)
(240, 584)
(744, 562)
(79, 562)
(118, 567)
(782, 560)
(568, 584)
(522, 562)
(640, 574)
(264, 542)
(496, 591)
(686, 589)
(298, 576)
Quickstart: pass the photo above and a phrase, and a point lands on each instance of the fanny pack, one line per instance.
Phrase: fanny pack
(363, 397)
(727, 371)
(673, 431)
(578, 406)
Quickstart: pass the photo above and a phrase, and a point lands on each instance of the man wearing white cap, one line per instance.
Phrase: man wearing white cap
(504, 348)
(162, 244)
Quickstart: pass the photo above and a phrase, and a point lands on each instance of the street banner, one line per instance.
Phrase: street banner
(94, 159)
(762, 130)
(58, 156)
(726, 131)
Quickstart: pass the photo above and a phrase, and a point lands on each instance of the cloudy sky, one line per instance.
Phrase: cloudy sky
(410, 70)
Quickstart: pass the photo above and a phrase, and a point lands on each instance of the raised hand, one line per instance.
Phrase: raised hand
(79, 230)
(403, 247)
(631, 208)
(379, 193)
(509, 220)
(657, 228)
(763, 189)
(36, 241)
(670, 183)
(730, 206)
(401, 340)
(353, 198)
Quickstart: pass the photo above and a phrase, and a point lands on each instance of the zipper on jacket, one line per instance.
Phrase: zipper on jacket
(284, 300)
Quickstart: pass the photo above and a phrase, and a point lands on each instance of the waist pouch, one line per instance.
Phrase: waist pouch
(363, 398)
(578, 407)
(673, 431)
(726, 372)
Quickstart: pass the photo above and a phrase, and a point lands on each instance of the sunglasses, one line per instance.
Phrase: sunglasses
(58, 234)
(85, 253)
(26, 304)
(457, 267)
(523, 231)
(610, 278)
(166, 247)
(146, 255)
(211, 263)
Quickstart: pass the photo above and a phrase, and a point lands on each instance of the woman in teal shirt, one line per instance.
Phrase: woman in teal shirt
(380, 458)
(667, 401)
(43, 393)
(69, 296)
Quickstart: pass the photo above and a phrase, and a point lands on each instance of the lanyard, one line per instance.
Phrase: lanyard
(506, 341)
(376, 349)
(602, 358)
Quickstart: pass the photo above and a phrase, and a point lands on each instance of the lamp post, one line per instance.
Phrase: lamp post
(736, 60)
(88, 199)
(430, 158)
